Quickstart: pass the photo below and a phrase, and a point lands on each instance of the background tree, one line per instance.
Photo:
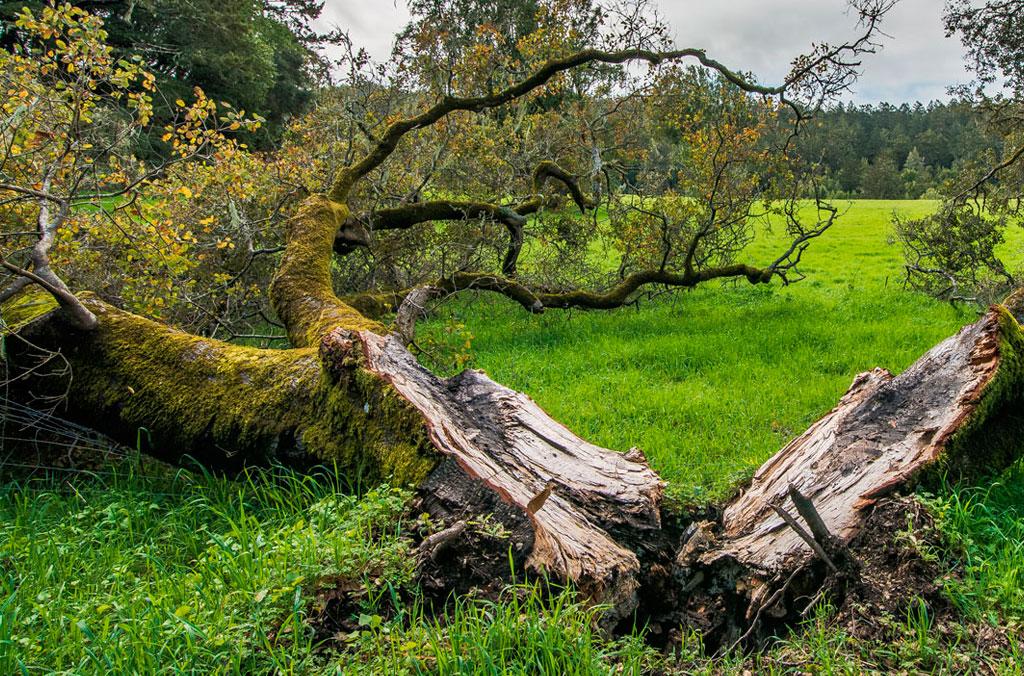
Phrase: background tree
(881, 178)
(916, 175)
(260, 55)
(75, 198)
(954, 254)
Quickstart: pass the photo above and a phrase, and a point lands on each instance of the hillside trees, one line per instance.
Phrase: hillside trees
(416, 163)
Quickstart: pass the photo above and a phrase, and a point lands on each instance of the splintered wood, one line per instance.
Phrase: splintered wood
(595, 515)
(882, 433)
(503, 439)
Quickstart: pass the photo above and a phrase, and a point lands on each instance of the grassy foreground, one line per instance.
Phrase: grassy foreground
(139, 570)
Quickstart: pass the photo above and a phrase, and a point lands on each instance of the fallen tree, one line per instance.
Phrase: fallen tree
(349, 393)
(578, 512)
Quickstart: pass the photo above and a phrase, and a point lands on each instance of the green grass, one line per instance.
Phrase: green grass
(137, 573)
(985, 528)
(143, 570)
(710, 383)
(189, 573)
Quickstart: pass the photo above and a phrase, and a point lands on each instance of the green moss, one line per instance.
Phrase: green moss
(993, 437)
(226, 404)
(185, 390)
(302, 292)
(364, 424)
(32, 303)
(376, 305)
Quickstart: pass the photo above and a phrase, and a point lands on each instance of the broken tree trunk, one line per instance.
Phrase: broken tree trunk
(882, 434)
(350, 395)
(957, 409)
(363, 403)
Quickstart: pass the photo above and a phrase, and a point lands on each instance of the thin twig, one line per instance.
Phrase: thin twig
(432, 546)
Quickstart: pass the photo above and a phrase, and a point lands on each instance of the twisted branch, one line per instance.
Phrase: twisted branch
(513, 217)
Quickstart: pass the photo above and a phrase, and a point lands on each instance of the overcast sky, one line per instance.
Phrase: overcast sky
(917, 63)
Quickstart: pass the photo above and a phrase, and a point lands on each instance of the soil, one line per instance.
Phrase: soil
(890, 572)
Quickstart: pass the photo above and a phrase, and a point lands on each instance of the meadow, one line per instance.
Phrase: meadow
(710, 382)
(138, 568)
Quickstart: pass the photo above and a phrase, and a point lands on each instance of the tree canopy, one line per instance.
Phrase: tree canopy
(260, 55)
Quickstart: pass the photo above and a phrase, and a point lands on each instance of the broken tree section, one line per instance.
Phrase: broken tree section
(957, 409)
(360, 402)
(582, 514)
(574, 494)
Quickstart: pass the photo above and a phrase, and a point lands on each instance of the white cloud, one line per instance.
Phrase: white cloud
(372, 24)
(917, 63)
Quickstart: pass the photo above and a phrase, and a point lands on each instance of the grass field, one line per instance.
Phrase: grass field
(709, 383)
(138, 570)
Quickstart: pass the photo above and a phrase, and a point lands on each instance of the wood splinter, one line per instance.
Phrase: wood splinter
(534, 505)
(811, 540)
(809, 513)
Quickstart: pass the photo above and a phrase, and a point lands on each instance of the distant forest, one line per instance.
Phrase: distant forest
(896, 152)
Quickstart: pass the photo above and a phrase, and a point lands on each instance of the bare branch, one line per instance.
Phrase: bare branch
(41, 273)
(824, 73)
(413, 308)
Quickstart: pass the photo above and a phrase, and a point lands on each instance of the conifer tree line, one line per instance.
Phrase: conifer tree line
(906, 151)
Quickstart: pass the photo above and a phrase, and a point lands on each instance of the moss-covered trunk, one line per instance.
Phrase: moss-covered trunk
(361, 402)
(224, 405)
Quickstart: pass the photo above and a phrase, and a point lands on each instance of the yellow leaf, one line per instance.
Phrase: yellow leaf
(181, 104)
(184, 192)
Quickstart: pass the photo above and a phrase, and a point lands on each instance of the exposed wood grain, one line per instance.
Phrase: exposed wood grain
(589, 508)
(883, 432)
(504, 440)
